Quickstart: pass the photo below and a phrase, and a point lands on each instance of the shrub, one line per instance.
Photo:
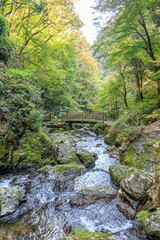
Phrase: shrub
(35, 120)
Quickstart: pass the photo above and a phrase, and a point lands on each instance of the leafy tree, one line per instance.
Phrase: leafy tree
(134, 29)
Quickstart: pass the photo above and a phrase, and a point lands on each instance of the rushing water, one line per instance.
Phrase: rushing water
(47, 213)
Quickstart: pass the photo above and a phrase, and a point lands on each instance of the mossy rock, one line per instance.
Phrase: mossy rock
(67, 167)
(158, 169)
(118, 172)
(69, 157)
(141, 216)
(86, 158)
(150, 222)
(110, 138)
(57, 125)
(101, 129)
(61, 167)
(10, 198)
(82, 234)
(80, 157)
(35, 150)
(143, 154)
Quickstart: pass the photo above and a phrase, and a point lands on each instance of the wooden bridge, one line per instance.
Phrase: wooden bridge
(79, 117)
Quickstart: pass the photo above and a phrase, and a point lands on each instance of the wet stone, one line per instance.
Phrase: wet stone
(10, 198)
(92, 194)
(92, 179)
(124, 208)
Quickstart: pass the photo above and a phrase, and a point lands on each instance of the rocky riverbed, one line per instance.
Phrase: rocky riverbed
(51, 202)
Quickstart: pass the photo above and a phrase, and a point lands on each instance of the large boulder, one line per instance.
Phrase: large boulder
(118, 172)
(10, 199)
(151, 224)
(133, 181)
(91, 187)
(101, 129)
(136, 185)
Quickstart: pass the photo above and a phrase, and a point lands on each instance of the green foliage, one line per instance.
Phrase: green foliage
(4, 41)
(153, 117)
(129, 45)
(19, 100)
(35, 120)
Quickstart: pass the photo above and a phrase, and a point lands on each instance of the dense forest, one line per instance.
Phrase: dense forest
(47, 64)
(129, 45)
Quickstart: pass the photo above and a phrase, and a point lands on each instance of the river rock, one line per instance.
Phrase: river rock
(80, 156)
(10, 198)
(62, 168)
(119, 172)
(91, 180)
(136, 185)
(151, 224)
(92, 194)
(154, 194)
(124, 208)
(98, 192)
(110, 138)
(134, 204)
(81, 234)
(86, 158)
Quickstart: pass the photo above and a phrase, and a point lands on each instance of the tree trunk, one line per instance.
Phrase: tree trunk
(125, 90)
(125, 99)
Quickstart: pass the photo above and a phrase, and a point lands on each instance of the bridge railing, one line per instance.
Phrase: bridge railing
(84, 117)
(77, 117)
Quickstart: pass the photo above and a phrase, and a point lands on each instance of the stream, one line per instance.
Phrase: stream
(46, 212)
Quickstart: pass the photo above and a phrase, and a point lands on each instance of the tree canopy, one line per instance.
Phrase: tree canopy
(129, 44)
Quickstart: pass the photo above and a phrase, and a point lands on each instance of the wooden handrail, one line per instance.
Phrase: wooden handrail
(84, 117)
